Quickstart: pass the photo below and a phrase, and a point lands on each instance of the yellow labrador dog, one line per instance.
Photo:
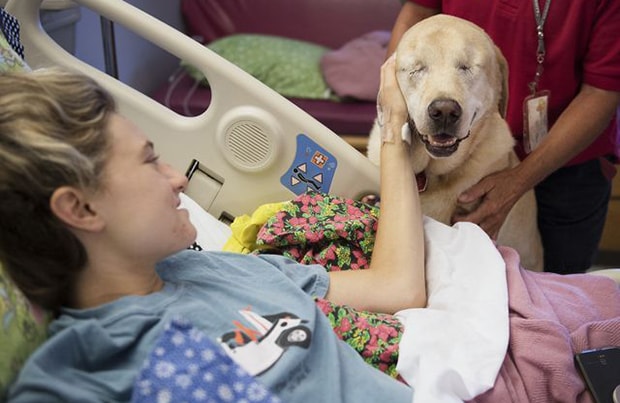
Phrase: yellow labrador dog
(454, 81)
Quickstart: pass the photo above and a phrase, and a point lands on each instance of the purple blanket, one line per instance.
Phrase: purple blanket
(553, 317)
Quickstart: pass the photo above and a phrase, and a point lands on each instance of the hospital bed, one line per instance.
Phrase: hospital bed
(252, 147)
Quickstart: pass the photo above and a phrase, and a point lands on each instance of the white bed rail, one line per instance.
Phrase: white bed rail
(253, 145)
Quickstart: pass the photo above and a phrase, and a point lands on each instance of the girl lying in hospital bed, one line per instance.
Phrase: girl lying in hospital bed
(91, 230)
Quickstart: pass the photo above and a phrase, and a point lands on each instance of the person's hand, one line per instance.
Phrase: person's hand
(391, 107)
(496, 194)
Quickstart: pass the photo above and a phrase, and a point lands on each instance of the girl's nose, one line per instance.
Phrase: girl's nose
(178, 180)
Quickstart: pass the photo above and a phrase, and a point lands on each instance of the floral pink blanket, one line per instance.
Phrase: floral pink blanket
(552, 317)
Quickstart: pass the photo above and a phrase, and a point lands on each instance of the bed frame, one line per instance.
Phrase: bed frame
(250, 147)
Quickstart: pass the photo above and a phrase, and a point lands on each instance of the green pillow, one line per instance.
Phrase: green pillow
(23, 327)
(288, 66)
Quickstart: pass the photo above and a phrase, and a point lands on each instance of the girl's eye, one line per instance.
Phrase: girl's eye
(153, 159)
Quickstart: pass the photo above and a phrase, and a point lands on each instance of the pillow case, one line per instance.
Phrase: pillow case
(23, 327)
(288, 66)
(353, 70)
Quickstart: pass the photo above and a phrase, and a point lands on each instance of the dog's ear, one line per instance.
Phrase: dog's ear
(502, 104)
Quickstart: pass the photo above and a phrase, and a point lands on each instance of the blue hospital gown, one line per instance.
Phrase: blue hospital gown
(257, 308)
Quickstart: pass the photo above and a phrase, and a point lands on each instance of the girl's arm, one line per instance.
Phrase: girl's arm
(396, 277)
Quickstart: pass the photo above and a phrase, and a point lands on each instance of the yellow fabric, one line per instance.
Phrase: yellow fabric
(245, 228)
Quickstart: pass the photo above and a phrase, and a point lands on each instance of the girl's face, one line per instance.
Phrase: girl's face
(139, 199)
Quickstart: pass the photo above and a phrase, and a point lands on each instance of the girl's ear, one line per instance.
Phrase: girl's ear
(71, 206)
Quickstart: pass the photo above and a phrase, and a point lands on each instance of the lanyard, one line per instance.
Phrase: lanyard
(540, 52)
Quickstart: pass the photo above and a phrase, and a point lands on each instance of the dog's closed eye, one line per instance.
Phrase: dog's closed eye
(417, 70)
(465, 68)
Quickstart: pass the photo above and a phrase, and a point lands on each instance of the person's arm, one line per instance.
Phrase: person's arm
(395, 279)
(582, 121)
(409, 14)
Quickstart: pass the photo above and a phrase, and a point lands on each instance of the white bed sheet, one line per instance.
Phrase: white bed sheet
(212, 233)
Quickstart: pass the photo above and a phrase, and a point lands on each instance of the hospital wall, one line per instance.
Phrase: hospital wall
(140, 64)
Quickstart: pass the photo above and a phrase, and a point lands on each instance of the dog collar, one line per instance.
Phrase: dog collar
(421, 180)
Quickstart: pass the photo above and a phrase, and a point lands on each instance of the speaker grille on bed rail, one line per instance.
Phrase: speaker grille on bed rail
(249, 145)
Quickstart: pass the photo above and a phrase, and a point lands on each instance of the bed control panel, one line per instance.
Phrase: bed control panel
(203, 185)
(312, 169)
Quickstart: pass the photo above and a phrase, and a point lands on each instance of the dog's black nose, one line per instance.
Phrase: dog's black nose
(444, 111)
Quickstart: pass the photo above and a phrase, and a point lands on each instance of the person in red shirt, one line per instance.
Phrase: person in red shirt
(566, 53)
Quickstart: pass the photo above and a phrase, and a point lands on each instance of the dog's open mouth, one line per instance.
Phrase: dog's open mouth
(440, 144)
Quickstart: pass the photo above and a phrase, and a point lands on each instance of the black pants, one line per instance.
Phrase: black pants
(572, 207)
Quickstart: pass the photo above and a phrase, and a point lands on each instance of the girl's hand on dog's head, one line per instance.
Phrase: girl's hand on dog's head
(391, 107)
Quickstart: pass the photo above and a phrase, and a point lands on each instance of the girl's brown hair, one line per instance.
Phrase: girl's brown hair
(52, 134)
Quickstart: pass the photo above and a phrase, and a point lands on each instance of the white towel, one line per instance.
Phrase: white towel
(452, 350)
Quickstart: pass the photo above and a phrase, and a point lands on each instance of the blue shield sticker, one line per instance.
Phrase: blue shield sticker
(313, 168)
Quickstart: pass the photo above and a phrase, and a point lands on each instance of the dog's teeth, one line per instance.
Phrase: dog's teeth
(442, 143)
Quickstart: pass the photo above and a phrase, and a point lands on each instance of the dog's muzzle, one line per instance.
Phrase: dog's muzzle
(438, 145)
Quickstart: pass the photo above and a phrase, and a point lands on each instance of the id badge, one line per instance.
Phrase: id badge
(535, 123)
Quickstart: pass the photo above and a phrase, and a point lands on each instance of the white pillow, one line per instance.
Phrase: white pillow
(212, 233)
